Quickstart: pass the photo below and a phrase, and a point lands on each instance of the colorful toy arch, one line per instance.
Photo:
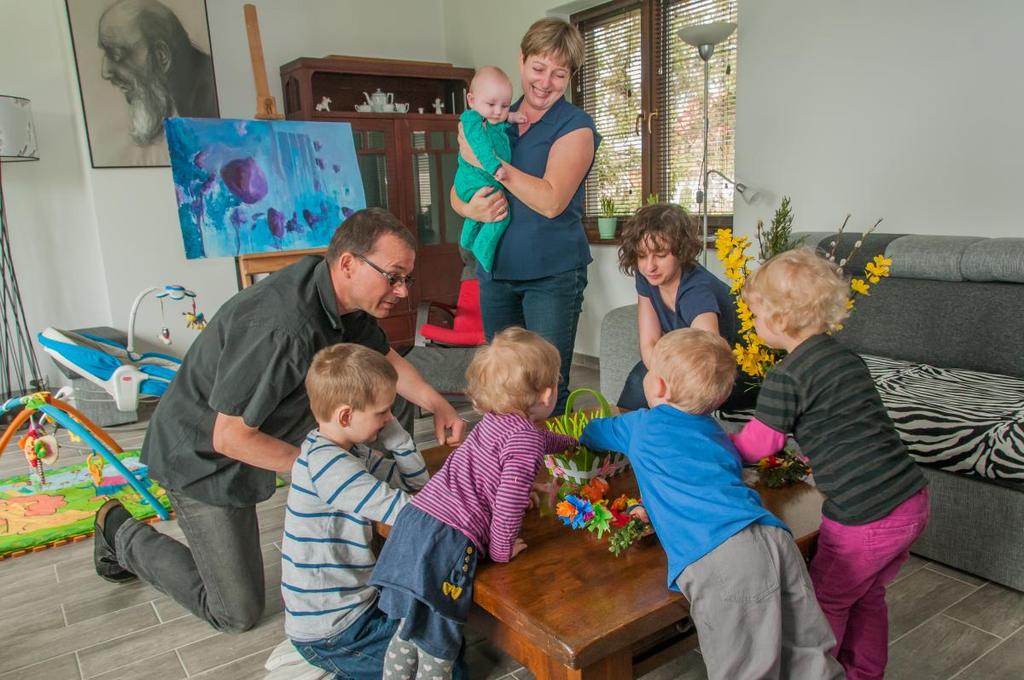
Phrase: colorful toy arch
(77, 423)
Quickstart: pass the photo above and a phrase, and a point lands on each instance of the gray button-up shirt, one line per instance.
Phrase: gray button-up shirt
(251, 361)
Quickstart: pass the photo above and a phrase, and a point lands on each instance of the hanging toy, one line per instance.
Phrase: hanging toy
(194, 319)
(39, 448)
(95, 465)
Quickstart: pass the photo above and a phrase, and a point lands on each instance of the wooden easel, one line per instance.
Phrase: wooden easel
(250, 267)
(266, 106)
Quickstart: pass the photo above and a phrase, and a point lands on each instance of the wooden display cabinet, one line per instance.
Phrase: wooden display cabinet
(407, 160)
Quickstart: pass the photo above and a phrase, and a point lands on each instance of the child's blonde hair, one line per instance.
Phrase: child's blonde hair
(659, 225)
(511, 374)
(698, 368)
(347, 374)
(798, 290)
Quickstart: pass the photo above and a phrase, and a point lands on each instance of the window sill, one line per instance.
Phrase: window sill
(594, 237)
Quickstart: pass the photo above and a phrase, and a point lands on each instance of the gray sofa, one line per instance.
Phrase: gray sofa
(943, 339)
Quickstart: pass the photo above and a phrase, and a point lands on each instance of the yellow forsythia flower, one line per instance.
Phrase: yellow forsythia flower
(859, 286)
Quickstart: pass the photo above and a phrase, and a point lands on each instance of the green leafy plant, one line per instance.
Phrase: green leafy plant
(653, 199)
(607, 206)
(776, 238)
(626, 536)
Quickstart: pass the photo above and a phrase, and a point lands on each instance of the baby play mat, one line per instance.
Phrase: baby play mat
(33, 517)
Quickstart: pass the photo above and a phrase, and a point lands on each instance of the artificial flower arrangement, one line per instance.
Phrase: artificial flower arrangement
(782, 469)
(752, 354)
(581, 478)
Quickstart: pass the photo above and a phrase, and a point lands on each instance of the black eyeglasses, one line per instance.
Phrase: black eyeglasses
(392, 279)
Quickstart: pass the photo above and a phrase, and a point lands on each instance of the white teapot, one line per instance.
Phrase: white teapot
(380, 101)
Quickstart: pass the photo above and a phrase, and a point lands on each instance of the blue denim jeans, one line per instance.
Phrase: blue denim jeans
(356, 653)
(743, 396)
(549, 306)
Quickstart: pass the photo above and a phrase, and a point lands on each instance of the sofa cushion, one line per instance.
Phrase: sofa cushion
(994, 259)
(929, 257)
(962, 421)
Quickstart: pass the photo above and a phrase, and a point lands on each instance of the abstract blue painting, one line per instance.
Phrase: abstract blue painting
(256, 186)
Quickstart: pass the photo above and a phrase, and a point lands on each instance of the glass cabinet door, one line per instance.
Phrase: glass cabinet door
(435, 150)
(376, 152)
(430, 161)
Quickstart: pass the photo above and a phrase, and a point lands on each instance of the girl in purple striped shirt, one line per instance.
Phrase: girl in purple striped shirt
(473, 505)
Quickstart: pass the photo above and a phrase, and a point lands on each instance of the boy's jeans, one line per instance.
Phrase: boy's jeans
(356, 653)
(218, 576)
(850, 571)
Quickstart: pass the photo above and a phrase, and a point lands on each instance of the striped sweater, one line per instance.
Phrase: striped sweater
(335, 496)
(484, 487)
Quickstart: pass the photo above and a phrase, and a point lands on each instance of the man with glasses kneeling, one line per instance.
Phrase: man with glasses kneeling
(237, 411)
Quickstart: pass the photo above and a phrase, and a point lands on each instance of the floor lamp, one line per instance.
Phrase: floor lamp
(704, 37)
(19, 368)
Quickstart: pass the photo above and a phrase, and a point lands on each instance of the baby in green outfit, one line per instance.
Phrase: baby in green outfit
(484, 126)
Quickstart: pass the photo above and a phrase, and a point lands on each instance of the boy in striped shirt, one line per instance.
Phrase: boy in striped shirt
(474, 505)
(340, 486)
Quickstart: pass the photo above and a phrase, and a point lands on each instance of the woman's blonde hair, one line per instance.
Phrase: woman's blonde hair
(555, 37)
(347, 374)
(510, 374)
(798, 290)
(698, 368)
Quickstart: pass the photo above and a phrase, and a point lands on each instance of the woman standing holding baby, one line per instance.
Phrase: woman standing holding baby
(540, 265)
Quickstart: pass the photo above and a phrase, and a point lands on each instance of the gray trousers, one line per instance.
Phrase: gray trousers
(753, 604)
(218, 576)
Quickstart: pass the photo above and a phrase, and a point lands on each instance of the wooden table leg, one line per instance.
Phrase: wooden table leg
(617, 666)
(614, 667)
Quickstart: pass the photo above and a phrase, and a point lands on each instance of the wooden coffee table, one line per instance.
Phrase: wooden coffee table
(567, 608)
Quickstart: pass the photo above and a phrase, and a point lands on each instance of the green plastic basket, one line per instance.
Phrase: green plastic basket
(581, 466)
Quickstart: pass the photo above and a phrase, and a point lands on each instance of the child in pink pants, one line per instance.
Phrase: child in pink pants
(822, 394)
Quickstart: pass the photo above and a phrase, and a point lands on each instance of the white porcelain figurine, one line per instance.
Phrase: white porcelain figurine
(325, 104)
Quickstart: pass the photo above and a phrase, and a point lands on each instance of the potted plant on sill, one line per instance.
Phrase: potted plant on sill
(607, 222)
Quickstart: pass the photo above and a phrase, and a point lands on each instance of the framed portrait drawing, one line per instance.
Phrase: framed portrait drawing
(139, 62)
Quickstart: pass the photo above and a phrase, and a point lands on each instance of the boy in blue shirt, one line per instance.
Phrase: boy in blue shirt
(750, 596)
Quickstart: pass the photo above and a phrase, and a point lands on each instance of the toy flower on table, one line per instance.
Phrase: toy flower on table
(782, 469)
(575, 512)
(594, 490)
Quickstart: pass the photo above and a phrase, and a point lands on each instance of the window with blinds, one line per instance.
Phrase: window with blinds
(608, 87)
(644, 88)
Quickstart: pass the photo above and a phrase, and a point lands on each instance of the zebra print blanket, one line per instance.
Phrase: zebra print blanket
(961, 421)
(954, 419)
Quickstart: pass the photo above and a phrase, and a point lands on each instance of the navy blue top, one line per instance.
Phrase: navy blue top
(699, 291)
(534, 246)
(689, 475)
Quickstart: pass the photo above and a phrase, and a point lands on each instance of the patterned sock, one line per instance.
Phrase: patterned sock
(432, 668)
(400, 660)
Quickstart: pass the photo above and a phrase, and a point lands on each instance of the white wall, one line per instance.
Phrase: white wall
(477, 38)
(52, 222)
(87, 240)
(909, 111)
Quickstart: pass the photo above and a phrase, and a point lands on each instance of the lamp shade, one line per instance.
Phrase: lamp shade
(17, 131)
(706, 34)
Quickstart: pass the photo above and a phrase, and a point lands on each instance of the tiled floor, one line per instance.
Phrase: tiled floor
(59, 621)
